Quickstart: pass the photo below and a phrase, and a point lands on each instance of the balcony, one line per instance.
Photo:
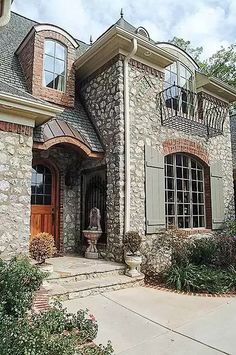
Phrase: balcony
(194, 113)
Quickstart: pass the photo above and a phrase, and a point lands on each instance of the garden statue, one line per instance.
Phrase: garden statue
(93, 232)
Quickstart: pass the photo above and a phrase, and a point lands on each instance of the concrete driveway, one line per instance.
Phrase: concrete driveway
(145, 321)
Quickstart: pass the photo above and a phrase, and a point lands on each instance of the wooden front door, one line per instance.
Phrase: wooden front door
(43, 201)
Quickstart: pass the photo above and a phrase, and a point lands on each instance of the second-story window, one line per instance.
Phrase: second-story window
(179, 88)
(54, 65)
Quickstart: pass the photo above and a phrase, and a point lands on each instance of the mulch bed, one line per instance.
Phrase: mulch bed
(162, 287)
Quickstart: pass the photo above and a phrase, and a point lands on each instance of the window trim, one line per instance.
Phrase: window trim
(54, 60)
(175, 191)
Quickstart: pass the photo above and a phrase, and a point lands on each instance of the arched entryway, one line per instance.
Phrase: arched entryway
(44, 199)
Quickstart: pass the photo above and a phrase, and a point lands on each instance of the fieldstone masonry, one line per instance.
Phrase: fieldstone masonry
(15, 191)
(103, 97)
(146, 129)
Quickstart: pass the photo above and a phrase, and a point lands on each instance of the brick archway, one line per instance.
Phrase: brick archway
(171, 146)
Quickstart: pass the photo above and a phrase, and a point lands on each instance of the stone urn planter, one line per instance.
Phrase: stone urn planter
(133, 259)
(133, 262)
(93, 233)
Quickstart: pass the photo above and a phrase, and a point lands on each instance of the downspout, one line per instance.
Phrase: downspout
(127, 133)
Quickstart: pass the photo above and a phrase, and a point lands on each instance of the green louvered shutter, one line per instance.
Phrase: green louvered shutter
(155, 190)
(217, 196)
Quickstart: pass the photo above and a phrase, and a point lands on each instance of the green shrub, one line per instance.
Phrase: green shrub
(203, 251)
(51, 332)
(200, 278)
(18, 282)
(132, 242)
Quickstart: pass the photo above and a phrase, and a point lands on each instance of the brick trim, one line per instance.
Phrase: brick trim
(143, 67)
(147, 69)
(16, 128)
(171, 146)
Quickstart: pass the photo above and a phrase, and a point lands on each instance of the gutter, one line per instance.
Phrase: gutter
(127, 133)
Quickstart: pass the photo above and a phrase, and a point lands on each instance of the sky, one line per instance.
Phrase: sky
(207, 23)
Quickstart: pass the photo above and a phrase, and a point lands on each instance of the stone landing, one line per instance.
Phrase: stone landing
(76, 277)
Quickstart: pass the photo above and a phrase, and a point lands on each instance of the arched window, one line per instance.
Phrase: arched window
(184, 192)
(179, 83)
(54, 65)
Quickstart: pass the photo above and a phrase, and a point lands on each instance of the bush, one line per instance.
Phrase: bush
(18, 281)
(52, 332)
(201, 278)
(132, 242)
(42, 247)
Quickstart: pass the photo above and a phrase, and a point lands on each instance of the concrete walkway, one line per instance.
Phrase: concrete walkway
(145, 321)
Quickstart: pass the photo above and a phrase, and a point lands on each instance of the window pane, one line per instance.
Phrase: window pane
(185, 173)
(59, 67)
(180, 222)
(178, 160)
(60, 51)
(182, 71)
(170, 184)
(170, 196)
(194, 174)
(39, 199)
(194, 185)
(179, 184)
(171, 209)
(180, 209)
(201, 209)
(195, 209)
(49, 47)
(49, 63)
(187, 209)
(170, 170)
(47, 200)
(201, 221)
(186, 197)
(59, 82)
(48, 79)
(179, 196)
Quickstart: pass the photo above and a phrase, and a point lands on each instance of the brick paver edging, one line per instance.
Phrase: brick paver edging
(163, 288)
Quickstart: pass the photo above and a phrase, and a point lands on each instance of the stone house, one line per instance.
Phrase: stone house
(126, 124)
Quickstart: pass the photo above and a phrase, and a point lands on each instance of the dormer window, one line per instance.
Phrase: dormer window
(54, 65)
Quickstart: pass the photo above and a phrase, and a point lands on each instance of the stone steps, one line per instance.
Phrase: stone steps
(76, 277)
(84, 288)
(100, 272)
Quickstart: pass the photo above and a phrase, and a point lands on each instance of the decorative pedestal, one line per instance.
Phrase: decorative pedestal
(92, 237)
(133, 263)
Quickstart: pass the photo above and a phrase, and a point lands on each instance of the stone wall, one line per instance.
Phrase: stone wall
(233, 137)
(103, 97)
(146, 129)
(15, 188)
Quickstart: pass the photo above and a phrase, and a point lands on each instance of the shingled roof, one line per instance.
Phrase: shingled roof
(12, 79)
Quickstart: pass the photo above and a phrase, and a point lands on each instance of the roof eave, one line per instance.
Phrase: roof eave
(37, 111)
(216, 86)
(120, 39)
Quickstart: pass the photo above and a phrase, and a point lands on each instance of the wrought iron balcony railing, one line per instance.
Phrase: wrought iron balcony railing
(194, 113)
